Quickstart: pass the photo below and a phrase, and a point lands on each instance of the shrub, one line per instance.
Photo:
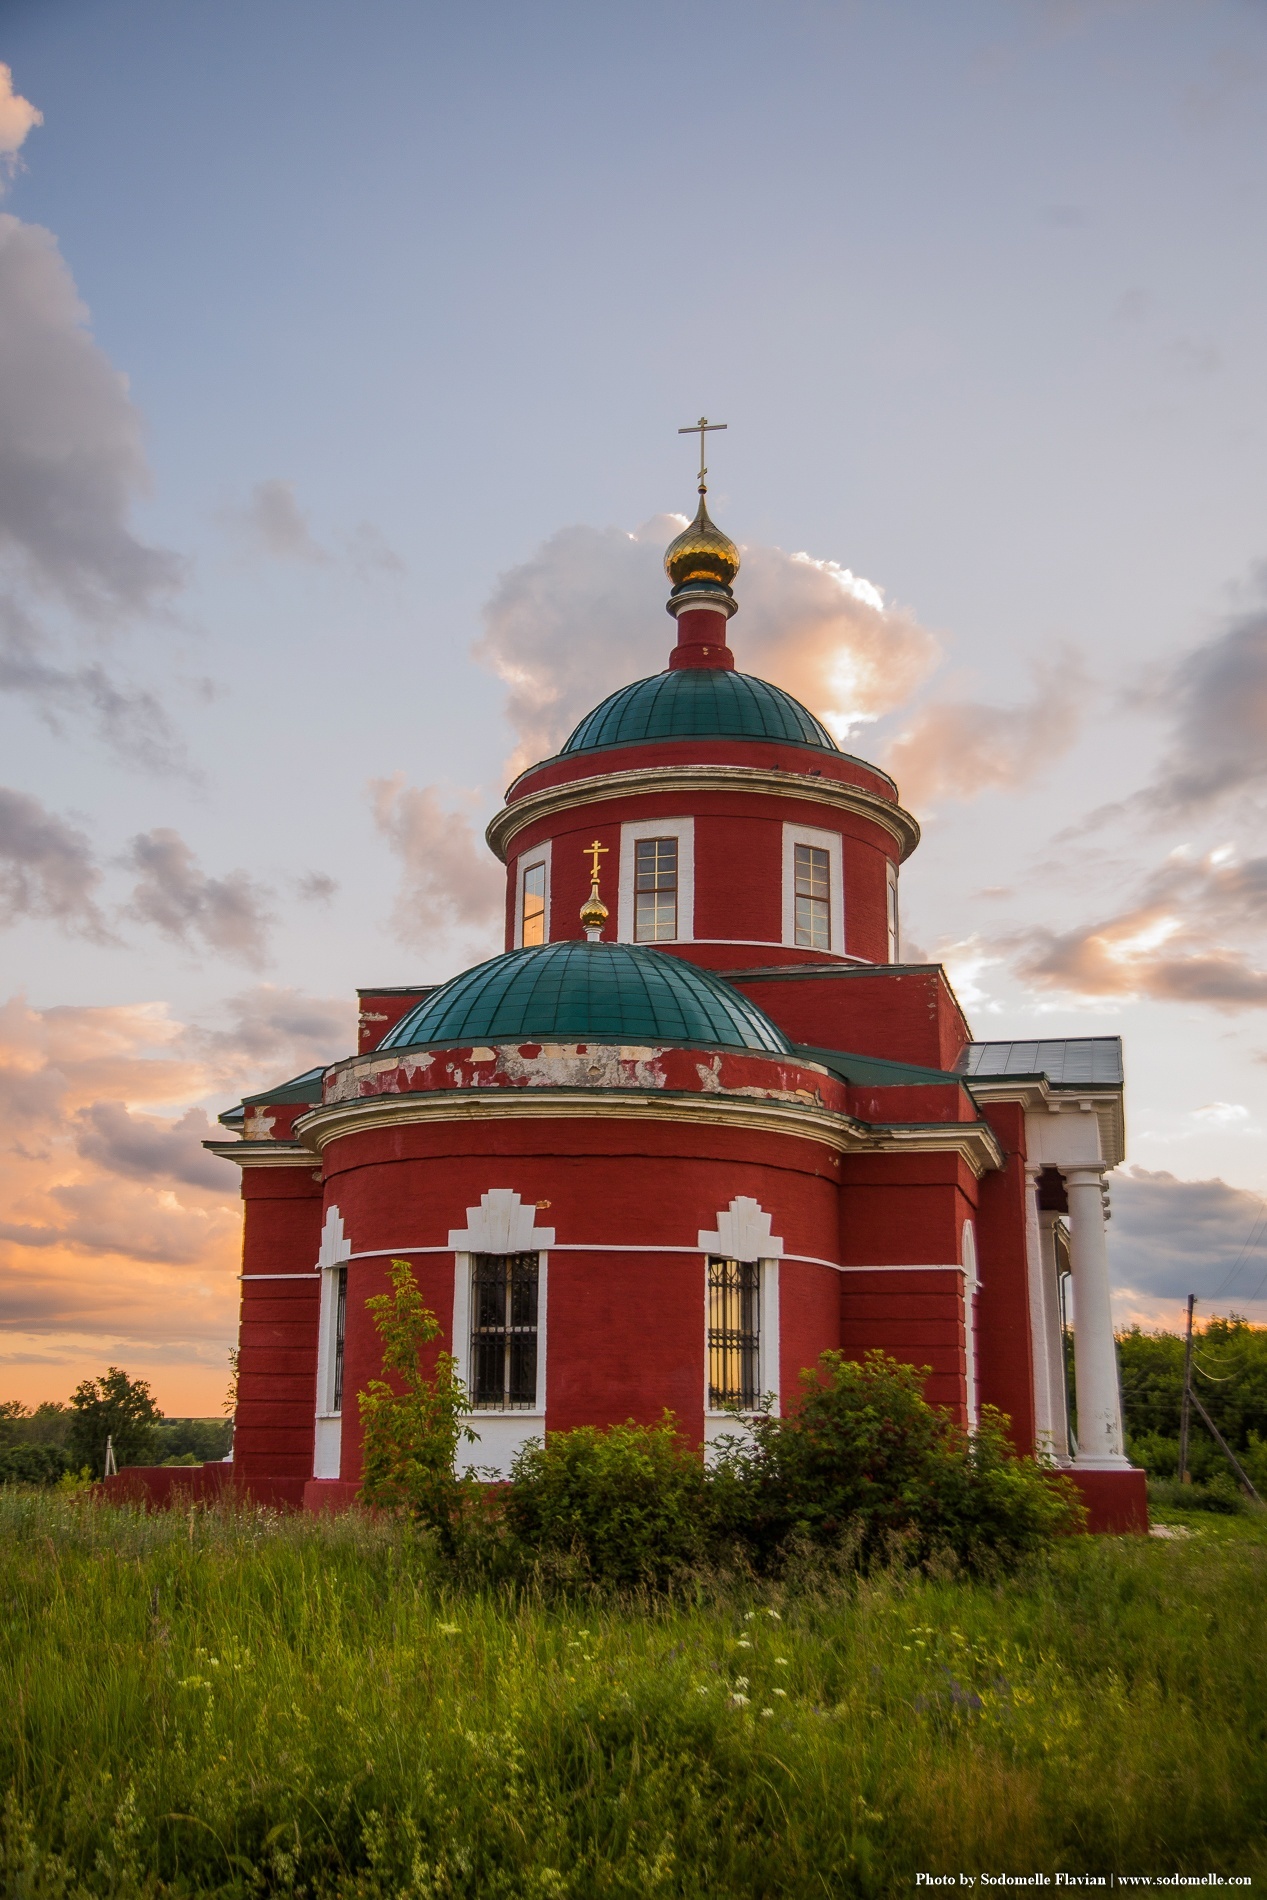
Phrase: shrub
(412, 1434)
(863, 1456)
(113, 1407)
(33, 1464)
(1220, 1496)
(630, 1503)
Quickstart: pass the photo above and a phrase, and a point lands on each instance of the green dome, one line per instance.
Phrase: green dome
(588, 992)
(699, 703)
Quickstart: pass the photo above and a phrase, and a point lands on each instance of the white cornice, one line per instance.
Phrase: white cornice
(262, 1154)
(975, 1141)
(1036, 1095)
(690, 779)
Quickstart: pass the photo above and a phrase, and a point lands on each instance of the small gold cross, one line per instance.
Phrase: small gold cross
(594, 851)
(702, 428)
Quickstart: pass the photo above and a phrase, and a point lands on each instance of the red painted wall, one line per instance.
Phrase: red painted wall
(902, 1014)
(1005, 1364)
(273, 1429)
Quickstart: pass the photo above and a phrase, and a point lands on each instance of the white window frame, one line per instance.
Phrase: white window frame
(683, 829)
(501, 1224)
(892, 915)
(829, 841)
(743, 1232)
(539, 854)
(336, 1250)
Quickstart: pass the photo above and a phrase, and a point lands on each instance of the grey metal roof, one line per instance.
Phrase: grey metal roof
(1086, 1061)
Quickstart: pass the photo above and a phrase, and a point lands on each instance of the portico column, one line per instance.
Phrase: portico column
(1047, 1223)
(1040, 1355)
(1094, 1354)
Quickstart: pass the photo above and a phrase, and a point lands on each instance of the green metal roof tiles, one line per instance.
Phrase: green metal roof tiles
(599, 992)
(699, 703)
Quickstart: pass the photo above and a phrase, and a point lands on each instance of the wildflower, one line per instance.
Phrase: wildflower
(767, 1711)
(448, 1629)
(778, 1692)
(743, 1643)
(774, 1615)
(738, 1701)
(782, 1661)
(701, 1688)
(193, 1682)
(748, 1615)
(741, 1682)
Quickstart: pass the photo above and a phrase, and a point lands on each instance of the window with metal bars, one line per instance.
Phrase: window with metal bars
(340, 1334)
(813, 897)
(504, 1332)
(534, 905)
(655, 890)
(734, 1333)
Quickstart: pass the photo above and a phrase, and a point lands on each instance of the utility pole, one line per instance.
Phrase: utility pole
(112, 1469)
(1185, 1411)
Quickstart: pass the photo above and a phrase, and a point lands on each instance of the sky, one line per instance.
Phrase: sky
(343, 353)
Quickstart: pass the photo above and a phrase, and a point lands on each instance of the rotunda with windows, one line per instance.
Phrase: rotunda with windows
(696, 1124)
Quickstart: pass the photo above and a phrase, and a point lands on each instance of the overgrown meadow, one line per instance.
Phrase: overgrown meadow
(239, 1703)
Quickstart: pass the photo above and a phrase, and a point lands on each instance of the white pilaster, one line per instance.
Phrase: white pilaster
(1040, 1344)
(1094, 1355)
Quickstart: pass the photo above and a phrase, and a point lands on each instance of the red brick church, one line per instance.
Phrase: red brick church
(697, 1123)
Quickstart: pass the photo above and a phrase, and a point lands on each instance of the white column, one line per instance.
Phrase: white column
(1040, 1354)
(1094, 1354)
(1055, 1341)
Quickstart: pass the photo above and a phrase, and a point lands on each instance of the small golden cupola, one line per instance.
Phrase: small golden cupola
(701, 553)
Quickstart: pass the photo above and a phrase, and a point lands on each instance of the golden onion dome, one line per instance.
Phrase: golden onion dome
(594, 913)
(701, 553)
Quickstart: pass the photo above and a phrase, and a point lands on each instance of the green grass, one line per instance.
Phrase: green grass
(250, 1705)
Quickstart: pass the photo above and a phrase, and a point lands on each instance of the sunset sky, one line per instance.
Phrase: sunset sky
(343, 350)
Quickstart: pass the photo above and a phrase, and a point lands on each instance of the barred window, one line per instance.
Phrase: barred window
(504, 1332)
(655, 890)
(534, 905)
(340, 1334)
(734, 1321)
(813, 897)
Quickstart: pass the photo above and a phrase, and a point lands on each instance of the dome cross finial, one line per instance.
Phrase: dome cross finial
(702, 428)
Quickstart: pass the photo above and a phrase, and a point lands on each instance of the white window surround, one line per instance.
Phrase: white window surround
(539, 854)
(336, 1251)
(683, 829)
(828, 841)
(970, 1284)
(743, 1233)
(501, 1224)
(892, 919)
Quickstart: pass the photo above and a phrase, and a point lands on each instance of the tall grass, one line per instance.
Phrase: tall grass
(243, 1704)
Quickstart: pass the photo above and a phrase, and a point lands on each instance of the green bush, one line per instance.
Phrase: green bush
(863, 1459)
(631, 1504)
(33, 1464)
(1220, 1495)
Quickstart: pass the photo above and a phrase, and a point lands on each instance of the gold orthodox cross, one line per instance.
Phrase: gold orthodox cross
(702, 428)
(594, 852)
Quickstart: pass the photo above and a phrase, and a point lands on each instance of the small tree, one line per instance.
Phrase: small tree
(411, 1436)
(114, 1407)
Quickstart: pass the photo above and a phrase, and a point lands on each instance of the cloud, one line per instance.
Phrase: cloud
(448, 879)
(1169, 944)
(47, 868)
(72, 464)
(960, 748)
(130, 720)
(272, 524)
(119, 1234)
(315, 887)
(17, 117)
(1217, 700)
(228, 913)
(1169, 1238)
(71, 454)
(146, 1148)
(586, 613)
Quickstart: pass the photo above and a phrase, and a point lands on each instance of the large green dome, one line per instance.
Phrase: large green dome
(578, 992)
(699, 703)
